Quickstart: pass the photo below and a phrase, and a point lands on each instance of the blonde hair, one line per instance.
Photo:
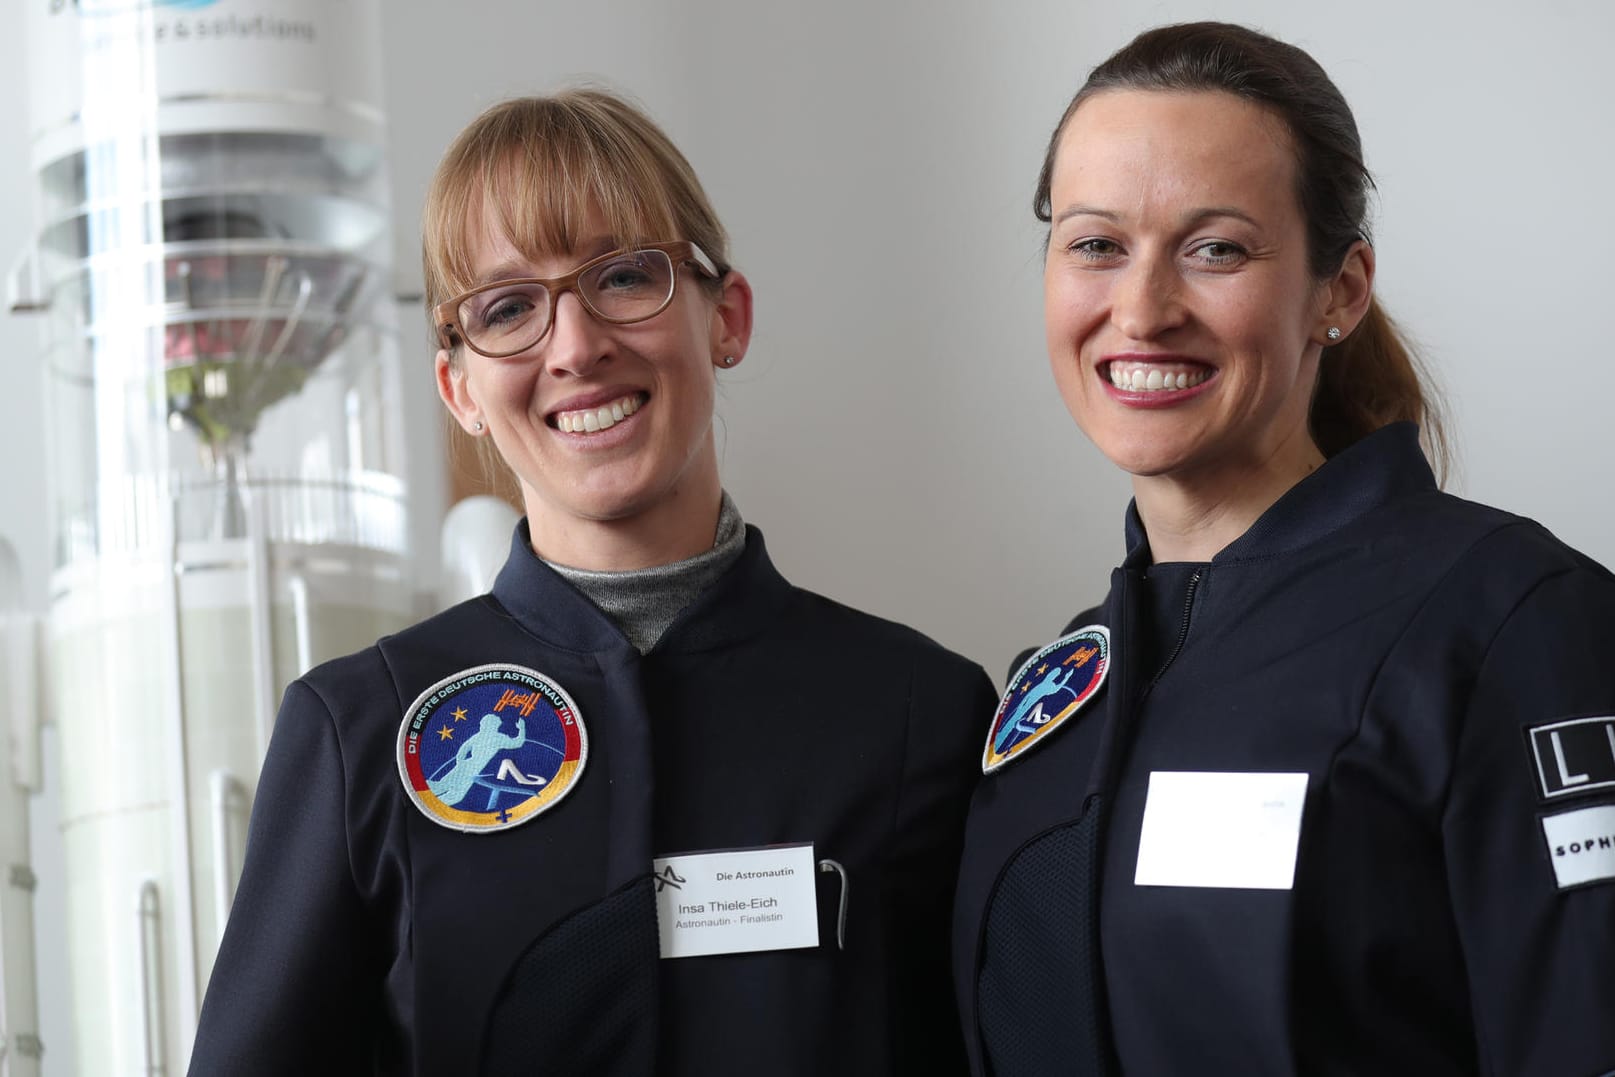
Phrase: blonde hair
(538, 166)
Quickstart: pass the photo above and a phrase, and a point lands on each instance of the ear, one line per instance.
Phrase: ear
(456, 394)
(1349, 293)
(731, 320)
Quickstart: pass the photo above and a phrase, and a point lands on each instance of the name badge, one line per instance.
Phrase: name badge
(1582, 844)
(737, 901)
(1227, 830)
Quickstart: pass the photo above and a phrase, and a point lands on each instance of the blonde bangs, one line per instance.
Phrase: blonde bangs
(540, 166)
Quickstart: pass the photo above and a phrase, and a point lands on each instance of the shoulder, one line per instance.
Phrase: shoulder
(1089, 616)
(894, 671)
(1093, 615)
(1531, 548)
(840, 628)
(1482, 546)
(1508, 618)
(379, 681)
(1445, 524)
(832, 630)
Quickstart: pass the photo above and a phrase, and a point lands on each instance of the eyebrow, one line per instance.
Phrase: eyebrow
(503, 271)
(521, 271)
(1191, 219)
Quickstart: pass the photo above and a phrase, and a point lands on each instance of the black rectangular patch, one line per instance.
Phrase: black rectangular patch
(1575, 755)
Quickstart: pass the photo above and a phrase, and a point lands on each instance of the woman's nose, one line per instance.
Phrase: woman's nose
(1146, 302)
(577, 341)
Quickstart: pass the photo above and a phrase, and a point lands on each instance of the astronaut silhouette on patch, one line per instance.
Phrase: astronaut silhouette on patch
(1017, 723)
(465, 770)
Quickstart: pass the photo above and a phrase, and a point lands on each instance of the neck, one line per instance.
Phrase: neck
(682, 524)
(1193, 518)
(645, 603)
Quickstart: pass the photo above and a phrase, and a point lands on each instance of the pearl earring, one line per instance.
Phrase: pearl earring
(479, 428)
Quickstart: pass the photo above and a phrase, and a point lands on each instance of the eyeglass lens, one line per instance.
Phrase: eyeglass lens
(627, 287)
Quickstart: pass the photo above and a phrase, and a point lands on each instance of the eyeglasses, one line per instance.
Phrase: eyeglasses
(625, 286)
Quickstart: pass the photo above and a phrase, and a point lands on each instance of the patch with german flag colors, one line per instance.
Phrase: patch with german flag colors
(490, 748)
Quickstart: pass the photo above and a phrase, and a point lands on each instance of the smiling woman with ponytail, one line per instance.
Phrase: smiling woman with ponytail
(1328, 793)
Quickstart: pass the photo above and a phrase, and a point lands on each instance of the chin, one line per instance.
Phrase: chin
(601, 503)
(1137, 453)
(614, 508)
(1142, 467)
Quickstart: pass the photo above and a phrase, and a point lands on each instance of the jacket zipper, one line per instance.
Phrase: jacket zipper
(1183, 633)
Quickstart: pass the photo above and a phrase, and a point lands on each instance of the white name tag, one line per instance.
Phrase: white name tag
(1582, 844)
(1204, 828)
(737, 901)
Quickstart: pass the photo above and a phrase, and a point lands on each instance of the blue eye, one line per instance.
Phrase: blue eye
(506, 310)
(627, 275)
(621, 275)
(502, 308)
(629, 286)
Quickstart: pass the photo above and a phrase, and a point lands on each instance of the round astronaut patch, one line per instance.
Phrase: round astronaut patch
(1049, 688)
(491, 747)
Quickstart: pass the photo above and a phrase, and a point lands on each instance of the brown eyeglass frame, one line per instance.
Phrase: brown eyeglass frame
(446, 315)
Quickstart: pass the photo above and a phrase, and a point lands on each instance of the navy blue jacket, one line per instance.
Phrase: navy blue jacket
(367, 938)
(1411, 653)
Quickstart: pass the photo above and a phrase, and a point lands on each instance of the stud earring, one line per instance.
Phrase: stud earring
(1333, 333)
(479, 428)
(728, 360)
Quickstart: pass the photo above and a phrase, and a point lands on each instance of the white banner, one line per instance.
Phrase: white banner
(204, 65)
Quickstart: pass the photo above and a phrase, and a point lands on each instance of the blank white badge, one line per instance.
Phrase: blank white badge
(1221, 829)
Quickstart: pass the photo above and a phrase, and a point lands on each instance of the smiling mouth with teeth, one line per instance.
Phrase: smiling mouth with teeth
(1144, 379)
(593, 420)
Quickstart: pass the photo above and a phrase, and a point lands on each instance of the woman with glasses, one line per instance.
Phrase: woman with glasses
(646, 808)
(1328, 785)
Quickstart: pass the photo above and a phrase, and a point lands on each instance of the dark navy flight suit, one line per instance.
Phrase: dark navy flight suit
(367, 938)
(1443, 674)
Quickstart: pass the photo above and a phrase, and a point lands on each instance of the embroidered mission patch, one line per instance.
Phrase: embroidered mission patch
(1573, 755)
(491, 747)
(1049, 688)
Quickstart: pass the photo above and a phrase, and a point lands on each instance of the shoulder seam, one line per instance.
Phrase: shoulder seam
(1458, 562)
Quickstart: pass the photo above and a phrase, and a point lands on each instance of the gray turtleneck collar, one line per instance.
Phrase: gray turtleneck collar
(643, 602)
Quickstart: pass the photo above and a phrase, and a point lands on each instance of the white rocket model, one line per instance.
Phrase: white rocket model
(227, 503)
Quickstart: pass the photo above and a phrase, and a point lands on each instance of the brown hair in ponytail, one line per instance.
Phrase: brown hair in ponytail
(1372, 377)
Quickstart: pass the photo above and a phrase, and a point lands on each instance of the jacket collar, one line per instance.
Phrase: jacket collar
(739, 604)
(1385, 465)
